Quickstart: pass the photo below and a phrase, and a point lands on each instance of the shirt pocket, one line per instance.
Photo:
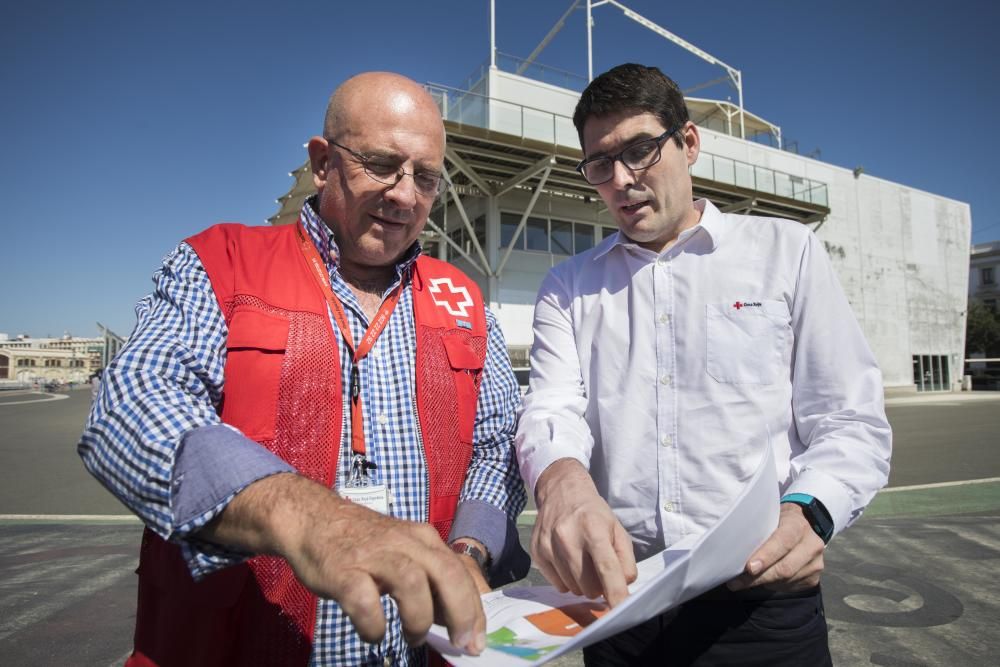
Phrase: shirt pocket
(255, 353)
(745, 344)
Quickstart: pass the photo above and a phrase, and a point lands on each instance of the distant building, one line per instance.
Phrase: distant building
(518, 207)
(984, 275)
(66, 359)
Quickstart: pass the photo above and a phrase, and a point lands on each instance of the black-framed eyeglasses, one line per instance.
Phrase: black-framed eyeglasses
(388, 171)
(640, 155)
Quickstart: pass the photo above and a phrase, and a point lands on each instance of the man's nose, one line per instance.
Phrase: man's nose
(621, 176)
(404, 193)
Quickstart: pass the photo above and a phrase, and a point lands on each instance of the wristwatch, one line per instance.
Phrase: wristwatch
(815, 514)
(466, 549)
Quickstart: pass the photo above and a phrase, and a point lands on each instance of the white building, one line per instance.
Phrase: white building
(518, 208)
(984, 274)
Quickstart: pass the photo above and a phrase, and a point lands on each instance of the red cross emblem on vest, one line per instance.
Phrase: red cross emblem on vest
(456, 300)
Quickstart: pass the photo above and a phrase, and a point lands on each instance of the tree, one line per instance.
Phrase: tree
(982, 331)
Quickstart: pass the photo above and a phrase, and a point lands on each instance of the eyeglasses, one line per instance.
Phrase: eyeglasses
(640, 155)
(388, 171)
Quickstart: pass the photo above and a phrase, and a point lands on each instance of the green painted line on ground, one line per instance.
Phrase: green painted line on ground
(960, 499)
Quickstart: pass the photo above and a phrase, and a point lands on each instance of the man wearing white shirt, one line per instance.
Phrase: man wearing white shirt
(660, 357)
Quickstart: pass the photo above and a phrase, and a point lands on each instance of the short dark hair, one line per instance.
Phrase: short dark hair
(636, 88)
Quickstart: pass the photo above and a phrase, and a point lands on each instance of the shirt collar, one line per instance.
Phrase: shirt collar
(322, 237)
(711, 222)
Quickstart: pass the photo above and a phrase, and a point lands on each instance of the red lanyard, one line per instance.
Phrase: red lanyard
(367, 342)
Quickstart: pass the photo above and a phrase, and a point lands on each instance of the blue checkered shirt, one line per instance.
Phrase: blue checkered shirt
(154, 438)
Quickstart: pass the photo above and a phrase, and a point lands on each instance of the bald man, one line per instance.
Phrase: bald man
(315, 421)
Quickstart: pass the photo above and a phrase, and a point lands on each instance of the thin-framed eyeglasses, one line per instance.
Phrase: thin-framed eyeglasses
(389, 172)
(637, 156)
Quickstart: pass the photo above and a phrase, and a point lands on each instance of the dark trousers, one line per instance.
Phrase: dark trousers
(725, 629)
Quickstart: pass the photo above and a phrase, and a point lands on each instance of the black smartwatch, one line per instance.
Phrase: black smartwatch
(815, 514)
(471, 550)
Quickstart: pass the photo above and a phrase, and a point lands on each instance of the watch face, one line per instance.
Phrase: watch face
(820, 520)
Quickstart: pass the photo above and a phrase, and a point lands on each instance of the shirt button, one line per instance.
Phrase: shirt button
(661, 262)
(666, 440)
(382, 419)
(665, 379)
(664, 318)
(668, 507)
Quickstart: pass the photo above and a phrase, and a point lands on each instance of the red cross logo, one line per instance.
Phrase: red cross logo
(456, 300)
(737, 305)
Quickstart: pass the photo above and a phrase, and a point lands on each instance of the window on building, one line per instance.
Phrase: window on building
(508, 225)
(562, 237)
(931, 372)
(4, 368)
(986, 275)
(990, 304)
(583, 237)
(460, 235)
(537, 234)
(479, 227)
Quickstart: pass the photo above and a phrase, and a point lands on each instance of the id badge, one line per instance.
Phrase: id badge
(374, 497)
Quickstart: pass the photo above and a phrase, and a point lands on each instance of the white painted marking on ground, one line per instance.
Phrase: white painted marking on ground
(941, 485)
(69, 518)
(45, 399)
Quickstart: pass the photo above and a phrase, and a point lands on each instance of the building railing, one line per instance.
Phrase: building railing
(470, 108)
(539, 72)
(760, 179)
(533, 70)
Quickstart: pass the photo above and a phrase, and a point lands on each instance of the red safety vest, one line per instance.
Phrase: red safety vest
(283, 389)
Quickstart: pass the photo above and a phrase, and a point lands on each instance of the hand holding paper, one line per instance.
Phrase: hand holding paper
(790, 560)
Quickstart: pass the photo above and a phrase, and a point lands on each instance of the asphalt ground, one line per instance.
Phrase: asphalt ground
(912, 583)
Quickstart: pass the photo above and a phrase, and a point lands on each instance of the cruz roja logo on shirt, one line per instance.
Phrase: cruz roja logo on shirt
(747, 304)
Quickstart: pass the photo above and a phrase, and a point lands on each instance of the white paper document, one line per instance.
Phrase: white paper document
(532, 625)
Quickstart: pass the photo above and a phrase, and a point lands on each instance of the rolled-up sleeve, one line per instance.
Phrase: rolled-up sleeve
(153, 437)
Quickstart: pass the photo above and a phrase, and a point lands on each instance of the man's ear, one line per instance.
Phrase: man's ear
(319, 160)
(692, 142)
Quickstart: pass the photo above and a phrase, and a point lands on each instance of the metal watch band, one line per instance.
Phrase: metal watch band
(464, 548)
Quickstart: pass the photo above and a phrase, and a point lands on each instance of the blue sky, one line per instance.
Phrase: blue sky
(127, 125)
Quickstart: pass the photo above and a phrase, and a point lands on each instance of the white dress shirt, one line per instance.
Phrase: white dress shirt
(665, 373)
